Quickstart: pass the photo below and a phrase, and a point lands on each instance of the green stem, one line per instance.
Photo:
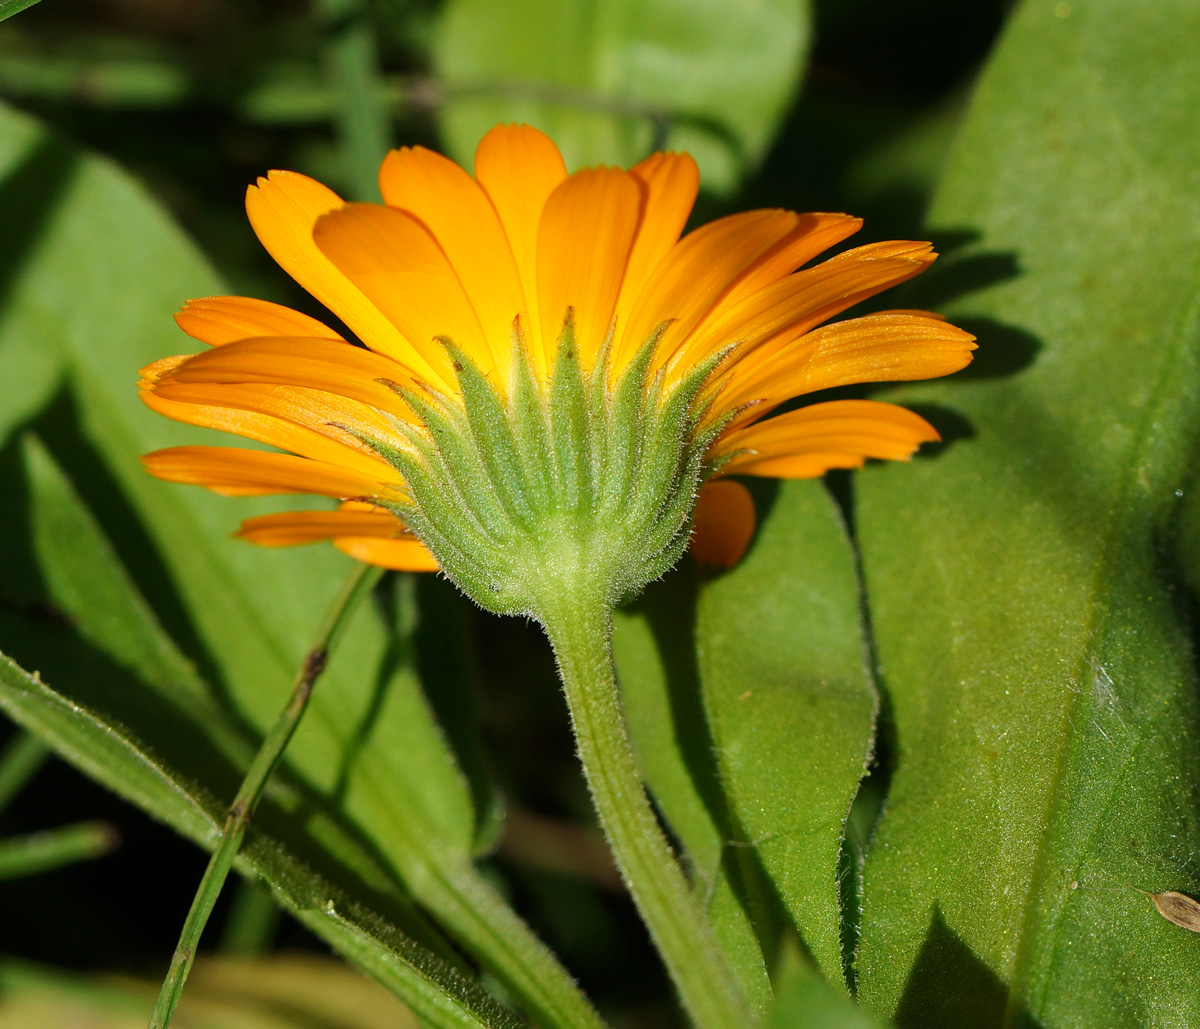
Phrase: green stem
(362, 117)
(579, 625)
(360, 582)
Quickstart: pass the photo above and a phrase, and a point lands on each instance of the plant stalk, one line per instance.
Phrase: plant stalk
(579, 626)
(359, 583)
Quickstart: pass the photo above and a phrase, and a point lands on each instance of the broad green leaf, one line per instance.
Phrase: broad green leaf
(1028, 627)
(758, 683)
(610, 80)
(791, 706)
(105, 272)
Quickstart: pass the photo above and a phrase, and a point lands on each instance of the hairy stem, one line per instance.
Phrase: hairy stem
(580, 629)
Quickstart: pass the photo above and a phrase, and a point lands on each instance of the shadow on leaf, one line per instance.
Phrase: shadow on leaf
(951, 987)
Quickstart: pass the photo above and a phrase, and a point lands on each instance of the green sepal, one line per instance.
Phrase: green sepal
(492, 432)
(665, 452)
(626, 416)
(531, 424)
(449, 451)
(569, 430)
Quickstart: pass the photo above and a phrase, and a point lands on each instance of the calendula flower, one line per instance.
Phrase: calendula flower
(548, 372)
(548, 388)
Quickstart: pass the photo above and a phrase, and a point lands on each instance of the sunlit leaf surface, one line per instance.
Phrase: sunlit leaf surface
(1030, 631)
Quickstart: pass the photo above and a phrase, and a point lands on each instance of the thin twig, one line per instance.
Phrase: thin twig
(360, 582)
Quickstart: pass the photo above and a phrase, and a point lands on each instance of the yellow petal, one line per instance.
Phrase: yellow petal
(283, 209)
(837, 434)
(584, 238)
(235, 472)
(403, 554)
(669, 183)
(332, 427)
(220, 320)
(783, 311)
(889, 346)
(392, 258)
(455, 209)
(519, 167)
(351, 520)
(315, 443)
(813, 234)
(338, 368)
(724, 523)
(695, 274)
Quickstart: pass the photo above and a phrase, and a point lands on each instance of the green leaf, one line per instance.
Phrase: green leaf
(10, 7)
(804, 999)
(765, 670)
(791, 706)
(1028, 623)
(374, 789)
(611, 80)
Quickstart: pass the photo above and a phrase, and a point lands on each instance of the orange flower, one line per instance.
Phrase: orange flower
(521, 257)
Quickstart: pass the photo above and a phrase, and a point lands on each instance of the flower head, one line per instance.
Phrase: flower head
(549, 373)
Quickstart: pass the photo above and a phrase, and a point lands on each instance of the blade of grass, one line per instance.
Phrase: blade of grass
(43, 851)
(359, 583)
(10, 7)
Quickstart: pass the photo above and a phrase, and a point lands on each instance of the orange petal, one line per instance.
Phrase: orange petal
(403, 554)
(836, 434)
(584, 238)
(814, 234)
(669, 183)
(694, 275)
(519, 167)
(458, 213)
(394, 260)
(235, 472)
(219, 320)
(283, 209)
(331, 427)
(723, 524)
(889, 346)
(294, 527)
(789, 307)
(155, 370)
(337, 368)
